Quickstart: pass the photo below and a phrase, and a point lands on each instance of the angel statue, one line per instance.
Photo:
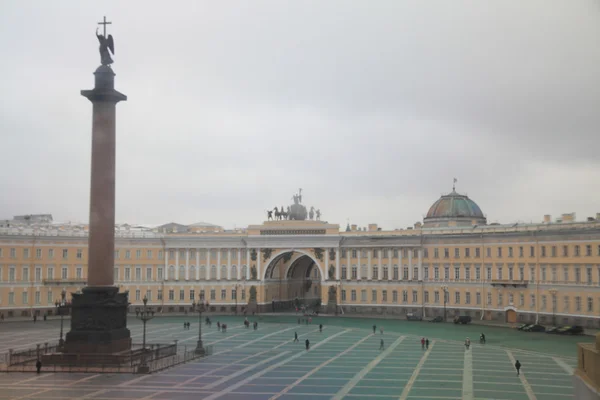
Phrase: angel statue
(106, 44)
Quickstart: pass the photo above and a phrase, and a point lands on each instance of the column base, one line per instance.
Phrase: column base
(98, 322)
(200, 350)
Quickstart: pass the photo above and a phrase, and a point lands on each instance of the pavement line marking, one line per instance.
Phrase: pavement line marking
(243, 371)
(271, 367)
(570, 370)
(135, 380)
(207, 334)
(263, 337)
(287, 341)
(318, 367)
(467, 388)
(526, 385)
(31, 394)
(182, 384)
(415, 374)
(34, 378)
(361, 374)
(83, 379)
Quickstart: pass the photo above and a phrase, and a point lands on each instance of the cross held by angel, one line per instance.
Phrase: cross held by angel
(106, 43)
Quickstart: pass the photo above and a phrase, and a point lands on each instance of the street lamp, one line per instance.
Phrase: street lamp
(60, 307)
(553, 292)
(145, 315)
(445, 289)
(199, 308)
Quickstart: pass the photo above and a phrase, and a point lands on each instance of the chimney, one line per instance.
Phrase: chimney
(372, 227)
(547, 218)
(568, 217)
(418, 225)
(353, 227)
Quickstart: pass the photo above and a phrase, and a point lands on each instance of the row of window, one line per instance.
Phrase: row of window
(475, 252)
(467, 273)
(466, 252)
(36, 274)
(413, 296)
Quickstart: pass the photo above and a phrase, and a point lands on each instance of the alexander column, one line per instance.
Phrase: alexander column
(99, 313)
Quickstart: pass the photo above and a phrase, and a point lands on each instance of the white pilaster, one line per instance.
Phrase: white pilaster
(369, 265)
(258, 258)
(420, 265)
(198, 265)
(248, 264)
(218, 264)
(326, 265)
(337, 264)
(177, 264)
(379, 267)
(187, 264)
(359, 266)
(208, 277)
(240, 265)
(229, 264)
(410, 266)
(166, 270)
(400, 266)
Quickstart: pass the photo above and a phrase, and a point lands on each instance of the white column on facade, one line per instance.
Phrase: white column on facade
(240, 265)
(208, 264)
(166, 270)
(337, 264)
(198, 265)
(229, 264)
(187, 264)
(248, 266)
(410, 266)
(420, 265)
(218, 264)
(258, 273)
(400, 266)
(326, 265)
(380, 267)
(369, 265)
(359, 266)
(177, 264)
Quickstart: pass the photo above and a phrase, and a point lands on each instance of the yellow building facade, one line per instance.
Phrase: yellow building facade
(453, 263)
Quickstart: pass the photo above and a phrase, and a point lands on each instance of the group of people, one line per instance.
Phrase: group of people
(247, 324)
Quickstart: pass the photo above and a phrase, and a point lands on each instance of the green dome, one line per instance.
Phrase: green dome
(455, 206)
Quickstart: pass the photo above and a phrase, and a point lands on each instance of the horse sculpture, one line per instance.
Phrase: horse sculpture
(311, 214)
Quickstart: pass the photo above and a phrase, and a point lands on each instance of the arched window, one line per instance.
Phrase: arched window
(386, 275)
(245, 272)
(213, 272)
(192, 272)
(202, 272)
(181, 272)
(354, 272)
(344, 272)
(234, 272)
(223, 271)
(171, 272)
(396, 273)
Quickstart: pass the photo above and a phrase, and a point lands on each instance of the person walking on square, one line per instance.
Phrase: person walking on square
(427, 343)
(374, 329)
(307, 343)
(296, 337)
(320, 327)
(518, 367)
(423, 343)
(218, 326)
(38, 366)
(467, 343)
(381, 345)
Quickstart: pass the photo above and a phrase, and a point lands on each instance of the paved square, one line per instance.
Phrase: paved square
(344, 361)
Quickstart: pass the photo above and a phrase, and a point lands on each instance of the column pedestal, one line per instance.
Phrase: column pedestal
(98, 322)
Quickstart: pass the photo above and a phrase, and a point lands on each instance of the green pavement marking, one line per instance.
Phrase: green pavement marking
(467, 383)
(270, 368)
(318, 367)
(344, 391)
(526, 385)
(412, 379)
(243, 371)
(564, 365)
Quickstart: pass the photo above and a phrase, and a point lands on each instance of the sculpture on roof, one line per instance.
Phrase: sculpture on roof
(106, 43)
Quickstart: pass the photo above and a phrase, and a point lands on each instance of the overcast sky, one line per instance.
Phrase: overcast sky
(372, 107)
